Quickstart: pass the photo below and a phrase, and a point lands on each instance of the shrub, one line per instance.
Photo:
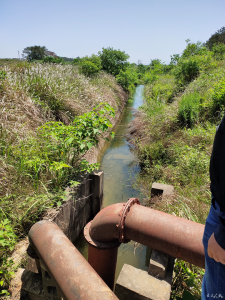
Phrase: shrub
(95, 59)
(218, 51)
(53, 60)
(218, 96)
(193, 49)
(186, 71)
(88, 68)
(156, 69)
(188, 112)
(163, 89)
(128, 79)
(2, 74)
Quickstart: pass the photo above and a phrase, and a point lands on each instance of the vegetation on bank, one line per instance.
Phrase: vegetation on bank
(184, 102)
(51, 115)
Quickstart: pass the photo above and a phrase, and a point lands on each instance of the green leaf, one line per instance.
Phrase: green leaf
(59, 203)
(74, 183)
(187, 296)
(89, 145)
(70, 140)
(5, 221)
(82, 146)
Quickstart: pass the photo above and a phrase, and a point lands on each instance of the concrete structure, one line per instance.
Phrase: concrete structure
(136, 284)
(158, 264)
(82, 204)
(160, 189)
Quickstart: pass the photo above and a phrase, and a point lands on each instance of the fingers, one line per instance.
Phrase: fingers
(209, 253)
(215, 257)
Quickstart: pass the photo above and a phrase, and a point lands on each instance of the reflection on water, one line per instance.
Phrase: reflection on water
(120, 167)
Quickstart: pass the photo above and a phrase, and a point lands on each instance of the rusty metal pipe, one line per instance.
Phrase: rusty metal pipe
(172, 235)
(104, 227)
(72, 273)
(104, 263)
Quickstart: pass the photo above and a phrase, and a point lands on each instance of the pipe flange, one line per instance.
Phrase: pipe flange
(121, 225)
(96, 244)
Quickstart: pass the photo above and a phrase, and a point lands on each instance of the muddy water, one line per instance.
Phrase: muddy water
(120, 167)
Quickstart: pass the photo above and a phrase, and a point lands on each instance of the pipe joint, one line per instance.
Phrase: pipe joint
(121, 225)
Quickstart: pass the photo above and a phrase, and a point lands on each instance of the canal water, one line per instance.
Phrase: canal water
(120, 168)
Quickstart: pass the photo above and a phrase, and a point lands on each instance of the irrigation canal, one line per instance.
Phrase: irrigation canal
(120, 168)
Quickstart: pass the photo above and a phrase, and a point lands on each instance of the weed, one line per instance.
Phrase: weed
(186, 282)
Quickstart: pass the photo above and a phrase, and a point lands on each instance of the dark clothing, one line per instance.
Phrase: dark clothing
(213, 281)
(217, 176)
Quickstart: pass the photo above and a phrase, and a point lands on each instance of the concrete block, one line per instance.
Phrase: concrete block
(159, 189)
(158, 264)
(136, 284)
(96, 190)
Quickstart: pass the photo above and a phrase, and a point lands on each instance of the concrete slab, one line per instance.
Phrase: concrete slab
(159, 189)
(136, 284)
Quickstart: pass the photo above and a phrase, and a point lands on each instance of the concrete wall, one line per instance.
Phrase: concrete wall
(82, 204)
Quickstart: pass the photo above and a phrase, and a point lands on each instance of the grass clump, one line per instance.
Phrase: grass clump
(188, 112)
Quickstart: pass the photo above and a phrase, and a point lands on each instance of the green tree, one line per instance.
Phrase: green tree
(218, 50)
(76, 60)
(217, 37)
(174, 59)
(113, 61)
(193, 49)
(35, 52)
(155, 62)
(128, 79)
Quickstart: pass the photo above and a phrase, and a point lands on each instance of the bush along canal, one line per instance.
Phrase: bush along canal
(120, 168)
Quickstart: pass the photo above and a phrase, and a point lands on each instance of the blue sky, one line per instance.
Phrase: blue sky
(144, 29)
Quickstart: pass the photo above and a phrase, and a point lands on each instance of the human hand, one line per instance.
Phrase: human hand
(215, 251)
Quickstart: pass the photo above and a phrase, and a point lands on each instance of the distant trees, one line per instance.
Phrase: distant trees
(42, 53)
(217, 37)
(53, 59)
(67, 59)
(35, 52)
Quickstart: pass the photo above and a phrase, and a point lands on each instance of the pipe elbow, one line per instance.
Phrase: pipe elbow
(104, 227)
